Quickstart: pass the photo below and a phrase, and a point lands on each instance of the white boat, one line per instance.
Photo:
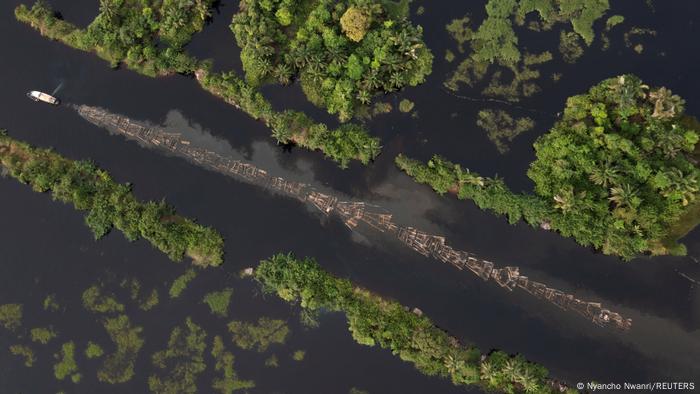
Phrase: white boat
(43, 97)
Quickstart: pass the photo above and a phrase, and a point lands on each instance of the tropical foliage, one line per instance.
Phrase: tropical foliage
(148, 37)
(615, 172)
(377, 321)
(343, 52)
(109, 204)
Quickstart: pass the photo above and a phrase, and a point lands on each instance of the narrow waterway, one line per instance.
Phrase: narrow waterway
(46, 248)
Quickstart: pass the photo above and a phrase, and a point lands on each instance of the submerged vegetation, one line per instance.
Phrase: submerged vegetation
(494, 43)
(615, 172)
(377, 321)
(118, 367)
(11, 316)
(343, 52)
(180, 283)
(148, 37)
(110, 204)
(218, 301)
(182, 360)
(66, 365)
(501, 128)
(229, 382)
(42, 335)
(259, 337)
(25, 352)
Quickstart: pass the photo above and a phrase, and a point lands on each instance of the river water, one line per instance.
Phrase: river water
(47, 249)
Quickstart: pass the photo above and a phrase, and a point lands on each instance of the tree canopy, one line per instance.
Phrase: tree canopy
(615, 172)
(343, 52)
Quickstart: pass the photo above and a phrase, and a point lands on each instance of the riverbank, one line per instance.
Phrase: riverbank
(109, 204)
(412, 336)
(344, 144)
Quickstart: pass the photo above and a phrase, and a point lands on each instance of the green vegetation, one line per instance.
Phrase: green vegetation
(184, 358)
(377, 321)
(25, 352)
(345, 143)
(299, 355)
(95, 301)
(502, 128)
(66, 365)
(259, 337)
(570, 47)
(150, 301)
(50, 303)
(118, 367)
(343, 52)
(148, 37)
(11, 316)
(272, 361)
(93, 350)
(109, 204)
(219, 301)
(180, 283)
(406, 105)
(229, 383)
(494, 44)
(42, 335)
(615, 173)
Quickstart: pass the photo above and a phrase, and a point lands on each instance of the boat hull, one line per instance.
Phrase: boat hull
(43, 97)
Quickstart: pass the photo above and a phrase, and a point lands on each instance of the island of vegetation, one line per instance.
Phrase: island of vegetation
(376, 321)
(343, 52)
(149, 37)
(109, 204)
(617, 172)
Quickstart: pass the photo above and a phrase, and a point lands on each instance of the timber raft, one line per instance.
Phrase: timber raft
(353, 213)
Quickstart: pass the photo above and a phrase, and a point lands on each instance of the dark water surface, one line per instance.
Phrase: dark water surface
(47, 249)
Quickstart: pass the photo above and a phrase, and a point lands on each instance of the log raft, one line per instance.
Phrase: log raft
(353, 213)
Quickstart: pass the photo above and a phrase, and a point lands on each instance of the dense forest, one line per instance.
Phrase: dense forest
(413, 337)
(616, 172)
(149, 37)
(343, 52)
(110, 204)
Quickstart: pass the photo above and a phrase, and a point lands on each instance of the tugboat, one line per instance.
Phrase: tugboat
(43, 97)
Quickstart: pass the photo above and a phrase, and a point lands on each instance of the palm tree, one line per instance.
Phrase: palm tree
(283, 74)
(453, 364)
(605, 174)
(685, 185)
(364, 97)
(624, 196)
(564, 200)
(108, 9)
(489, 373)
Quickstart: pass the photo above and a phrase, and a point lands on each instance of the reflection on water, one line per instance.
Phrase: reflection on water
(214, 154)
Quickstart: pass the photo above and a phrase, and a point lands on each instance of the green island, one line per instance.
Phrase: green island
(616, 172)
(149, 37)
(343, 52)
(374, 320)
(110, 204)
